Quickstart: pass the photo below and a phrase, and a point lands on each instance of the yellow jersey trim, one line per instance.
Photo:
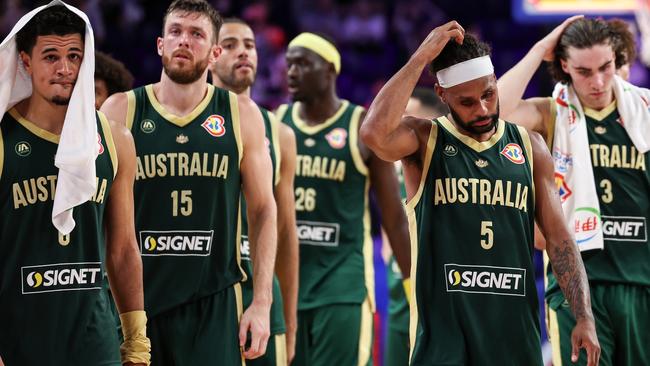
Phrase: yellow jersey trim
(236, 125)
(239, 302)
(601, 114)
(470, 142)
(528, 146)
(110, 143)
(413, 304)
(280, 349)
(178, 121)
(368, 249)
(312, 130)
(130, 109)
(275, 140)
(365, 334)
(354, 141)
(428, 154)
(281, 111)
(33, 128)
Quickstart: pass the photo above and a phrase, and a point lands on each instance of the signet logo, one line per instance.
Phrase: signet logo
(61, 277)
(489, 280)
(23, 148)
(450, 150)
(147, 126)
(318, 233)
(176, 243)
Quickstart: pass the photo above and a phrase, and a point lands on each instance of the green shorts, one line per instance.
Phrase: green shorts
(622, 314)
(397, 347)
(276, 352)
(203, 332)
(337, 334)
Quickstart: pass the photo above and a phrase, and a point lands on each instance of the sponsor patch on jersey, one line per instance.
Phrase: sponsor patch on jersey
(214, 125)
(586, 224)
(176, 243)
(147, 126)
(337, 138)
(61, 277)
(245, 248)
(562, 187)
(318, 233)
(23, 148)
(450, 149)
(485, 279)
(514, 153)
(101, 146)
(625, 228)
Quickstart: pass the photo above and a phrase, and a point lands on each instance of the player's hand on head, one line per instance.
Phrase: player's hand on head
(256, 321)
(438, 38)
(549, 42)
(584, 336)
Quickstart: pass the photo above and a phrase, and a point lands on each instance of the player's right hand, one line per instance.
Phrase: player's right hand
(584, 336)
(549, 42)
(256, 321)
(437, 39)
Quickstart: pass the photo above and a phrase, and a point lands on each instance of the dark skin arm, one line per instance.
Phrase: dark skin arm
(563, 253)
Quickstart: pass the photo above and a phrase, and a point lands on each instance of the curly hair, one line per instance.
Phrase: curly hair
(586, 33)
(113, 72)
(625, 39)
(454, 53)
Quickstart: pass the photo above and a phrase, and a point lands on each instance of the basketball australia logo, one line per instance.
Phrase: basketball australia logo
(147, 126)
(450, 150)
(23, 148)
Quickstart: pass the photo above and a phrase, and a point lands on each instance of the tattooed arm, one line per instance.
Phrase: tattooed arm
(563, 253)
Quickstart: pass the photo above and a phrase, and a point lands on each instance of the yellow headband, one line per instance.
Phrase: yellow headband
(321, 46)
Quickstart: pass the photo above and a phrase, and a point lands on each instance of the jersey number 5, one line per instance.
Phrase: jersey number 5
(486, 230)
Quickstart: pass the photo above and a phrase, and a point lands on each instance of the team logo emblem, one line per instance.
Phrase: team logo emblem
(34, 279)
(562, 187)
(310, 142)
(182, 139)
(514, 153)
(101, 146)
(214, 125)
(336, 138)
(450, 150)
(23, 148)
(147, 126)
(481, 163)
(586, 221)
(600, 130)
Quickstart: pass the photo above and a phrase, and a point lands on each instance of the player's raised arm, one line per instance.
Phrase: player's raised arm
(257, 179)
(563, 253)
(382, 131)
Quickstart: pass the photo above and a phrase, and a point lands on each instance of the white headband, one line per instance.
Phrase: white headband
(465, 71)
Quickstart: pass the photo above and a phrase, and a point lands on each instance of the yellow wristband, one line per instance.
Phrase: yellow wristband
(407, 289)
(136, 347)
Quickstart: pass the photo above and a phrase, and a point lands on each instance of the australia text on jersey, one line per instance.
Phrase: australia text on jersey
(42, 189)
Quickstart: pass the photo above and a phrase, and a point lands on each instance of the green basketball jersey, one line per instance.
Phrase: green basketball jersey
(187, 194)
(622, 184)
(472, 243)
(398, 307)
(277, 314)
(54, 307)
(331, 191)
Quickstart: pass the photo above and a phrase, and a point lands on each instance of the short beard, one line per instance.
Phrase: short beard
(467, 126)
(59, 100)
(231, 83)
(182, 76)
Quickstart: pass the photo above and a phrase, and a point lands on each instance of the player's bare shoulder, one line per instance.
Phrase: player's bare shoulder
(116, 107)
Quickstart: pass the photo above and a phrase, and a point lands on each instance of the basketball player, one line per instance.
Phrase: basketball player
(235, 70)
(473, 212)
(596, 124)
(194, 159)
(111, 76)
(425, 104)
(333, 175)
(55, 308)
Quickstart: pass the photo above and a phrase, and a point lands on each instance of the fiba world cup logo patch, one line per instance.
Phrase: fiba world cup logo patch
(514, 153)
(336, 138)
(214, 125)
(101, 146)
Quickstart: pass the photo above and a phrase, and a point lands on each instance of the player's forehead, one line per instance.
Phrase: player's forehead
(473, 89)
(590, 58)
(236, 31)
(301, 53)
(64, 43)
(189, 19)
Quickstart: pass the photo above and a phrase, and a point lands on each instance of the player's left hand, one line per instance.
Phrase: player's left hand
(256, 320)
(584, 336)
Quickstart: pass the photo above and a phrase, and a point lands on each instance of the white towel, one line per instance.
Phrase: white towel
(78, 148)
(573, 170)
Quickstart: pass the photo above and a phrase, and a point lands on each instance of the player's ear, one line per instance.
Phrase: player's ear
(215, 51)
(440, 92)
(27, 61)
(159, 46)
